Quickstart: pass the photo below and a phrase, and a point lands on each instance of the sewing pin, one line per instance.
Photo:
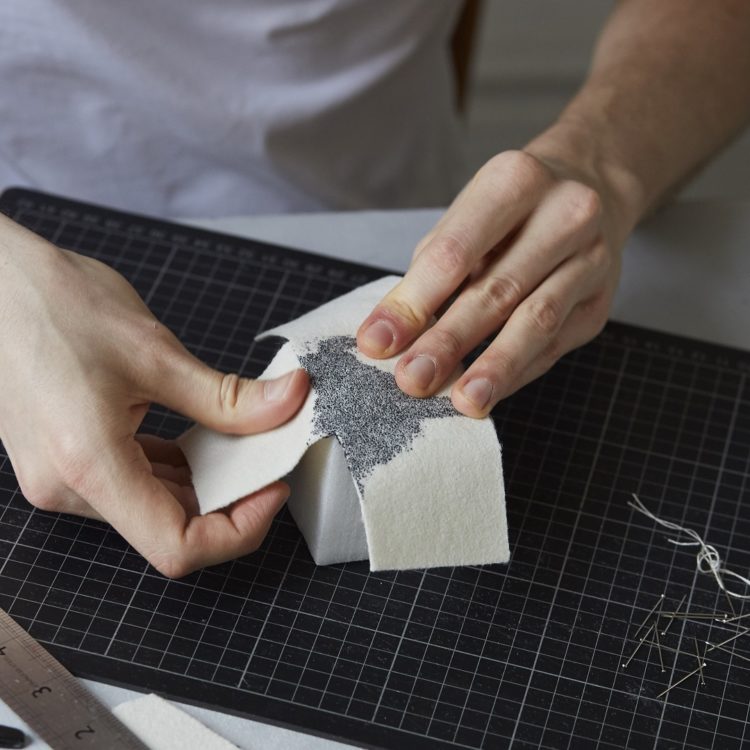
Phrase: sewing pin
(642, 625)
(738, 617)
(700, 661)
(666, 648)
(638, 647)
(658, 647)
(733, 653)
(669, 624)
(728, 640)
(686, 677)
(729, 601)
(695, 616)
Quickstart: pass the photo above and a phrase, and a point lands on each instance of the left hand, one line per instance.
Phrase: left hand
(529, 250)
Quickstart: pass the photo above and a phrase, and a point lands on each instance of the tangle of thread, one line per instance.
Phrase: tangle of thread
(708, 559)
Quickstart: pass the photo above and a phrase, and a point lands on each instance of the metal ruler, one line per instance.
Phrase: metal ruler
(59, 708)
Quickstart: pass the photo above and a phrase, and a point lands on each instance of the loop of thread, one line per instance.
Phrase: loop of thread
(708, 559)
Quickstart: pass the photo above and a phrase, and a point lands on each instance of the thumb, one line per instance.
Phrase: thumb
(121, 487)
(227, 402)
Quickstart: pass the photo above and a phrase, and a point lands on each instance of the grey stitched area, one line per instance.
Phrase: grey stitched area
(363, 407)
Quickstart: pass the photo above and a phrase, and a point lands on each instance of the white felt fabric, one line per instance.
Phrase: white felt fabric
(445, 508)
(162, 726)
(440, 501)
(221, 474)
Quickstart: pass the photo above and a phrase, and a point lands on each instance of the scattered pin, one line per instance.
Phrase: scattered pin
(738, 617)
(733, 653)
(638, 647)
(696, 616)
(700, 661)
(686, 677)
(728, 640)
(676, 612)
(666, 648)
(729, 601)
(658, 647)
(643, 624)
(701, 617)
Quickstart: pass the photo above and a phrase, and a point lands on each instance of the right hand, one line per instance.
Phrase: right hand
(81, 359)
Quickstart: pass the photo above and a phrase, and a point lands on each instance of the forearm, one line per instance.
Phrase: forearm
(669, 85)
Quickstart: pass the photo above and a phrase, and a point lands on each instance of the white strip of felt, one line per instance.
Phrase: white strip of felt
(442, 502)
(429, 479)
(162, 726)
(225, 468)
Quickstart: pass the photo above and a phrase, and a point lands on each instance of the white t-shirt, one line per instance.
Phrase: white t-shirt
(220, 107)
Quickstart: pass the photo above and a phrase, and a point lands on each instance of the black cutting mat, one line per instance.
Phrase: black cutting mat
(525, 655)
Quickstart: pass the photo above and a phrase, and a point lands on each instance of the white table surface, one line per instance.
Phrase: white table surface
(686, 271)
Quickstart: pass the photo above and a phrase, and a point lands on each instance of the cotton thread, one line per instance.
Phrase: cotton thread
(708, 559)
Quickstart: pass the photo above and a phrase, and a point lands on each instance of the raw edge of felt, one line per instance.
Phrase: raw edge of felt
(218, 481)
(470, 527)
(162, 726)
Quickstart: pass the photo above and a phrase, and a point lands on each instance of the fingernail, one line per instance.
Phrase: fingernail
(479, 392)
(421, 371)
(379, 336)
(275, 390)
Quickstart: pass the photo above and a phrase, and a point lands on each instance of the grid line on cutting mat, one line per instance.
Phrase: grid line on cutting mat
(526, 654)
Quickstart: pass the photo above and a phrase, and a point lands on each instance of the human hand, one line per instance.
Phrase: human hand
(530, 248)
(82, 358)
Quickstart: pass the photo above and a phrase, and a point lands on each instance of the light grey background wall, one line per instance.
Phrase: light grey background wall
(531, 57)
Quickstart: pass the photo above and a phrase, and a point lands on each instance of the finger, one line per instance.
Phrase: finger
(226, 402)
(501, 196)
(584, 323)
(566, 221)
(159, 450)
(121, 487)
(185, 496)
(235, 531)
(179, 475)
(256, 512)
(529, 330)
